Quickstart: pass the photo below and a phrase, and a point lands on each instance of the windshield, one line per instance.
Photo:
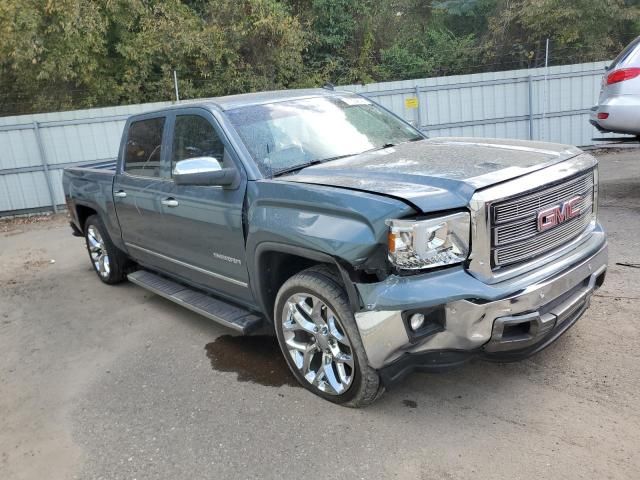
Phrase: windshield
(285, 135)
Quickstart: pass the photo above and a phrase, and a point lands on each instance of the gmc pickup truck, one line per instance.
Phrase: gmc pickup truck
(370, 250)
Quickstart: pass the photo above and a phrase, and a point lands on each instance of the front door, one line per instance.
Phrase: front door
(201, 231)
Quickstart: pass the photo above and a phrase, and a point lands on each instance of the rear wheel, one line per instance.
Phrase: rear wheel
(107, 260)
(319, 338)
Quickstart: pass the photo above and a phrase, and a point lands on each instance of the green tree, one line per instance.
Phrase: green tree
(62, 54)
(437, 52)
(579, 30)
(83, 53)
(49, 51)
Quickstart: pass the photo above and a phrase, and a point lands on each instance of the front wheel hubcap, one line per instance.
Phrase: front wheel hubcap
(317, 343)
(98, 252)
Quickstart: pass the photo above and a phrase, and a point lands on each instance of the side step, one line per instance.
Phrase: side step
(217, 310)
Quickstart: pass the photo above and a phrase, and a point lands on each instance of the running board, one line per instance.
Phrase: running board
(217, 310)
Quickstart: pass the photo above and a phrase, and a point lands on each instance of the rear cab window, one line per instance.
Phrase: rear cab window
(143, 150)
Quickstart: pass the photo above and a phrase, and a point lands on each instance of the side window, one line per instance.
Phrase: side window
(195, 137)
(144, 147)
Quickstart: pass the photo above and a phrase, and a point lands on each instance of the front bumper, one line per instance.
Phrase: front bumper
(506, 321)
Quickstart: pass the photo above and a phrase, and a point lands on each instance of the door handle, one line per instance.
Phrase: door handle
(170, 202)
(120, 194)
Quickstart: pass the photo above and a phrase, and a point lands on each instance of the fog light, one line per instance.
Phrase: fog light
(416, 321)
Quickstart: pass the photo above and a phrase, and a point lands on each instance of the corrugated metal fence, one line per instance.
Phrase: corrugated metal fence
(550, 105)
(523, 104)
(35, 148)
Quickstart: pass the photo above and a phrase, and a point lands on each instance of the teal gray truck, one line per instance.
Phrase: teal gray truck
(370, 250)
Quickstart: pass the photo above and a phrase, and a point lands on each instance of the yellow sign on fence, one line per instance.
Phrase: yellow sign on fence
(411, 102)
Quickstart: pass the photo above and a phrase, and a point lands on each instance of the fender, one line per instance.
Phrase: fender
(266, 247)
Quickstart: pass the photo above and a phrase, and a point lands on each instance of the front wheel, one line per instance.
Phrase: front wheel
(320, 341)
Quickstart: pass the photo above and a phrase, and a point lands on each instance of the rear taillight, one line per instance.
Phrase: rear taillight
(622, 75)
(603, 116)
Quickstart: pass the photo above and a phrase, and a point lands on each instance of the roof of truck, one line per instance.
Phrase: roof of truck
(245, 99)
(230, 102)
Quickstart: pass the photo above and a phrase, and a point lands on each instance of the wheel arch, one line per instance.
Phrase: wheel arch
(275, 263)
(82, 213)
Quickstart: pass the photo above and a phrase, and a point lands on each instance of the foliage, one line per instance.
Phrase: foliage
(62, 54)
(581, 30)
(437, 52)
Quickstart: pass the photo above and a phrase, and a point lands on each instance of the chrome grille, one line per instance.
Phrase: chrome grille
(514, 231)
(529, 204)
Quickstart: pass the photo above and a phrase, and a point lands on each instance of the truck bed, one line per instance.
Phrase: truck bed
(91, 185)
(97, 171)
(102, 165)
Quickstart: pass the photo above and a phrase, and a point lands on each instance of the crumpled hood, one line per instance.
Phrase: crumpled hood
(439, 173)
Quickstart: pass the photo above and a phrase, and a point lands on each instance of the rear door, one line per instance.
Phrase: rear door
(139, 185)
(200, 233)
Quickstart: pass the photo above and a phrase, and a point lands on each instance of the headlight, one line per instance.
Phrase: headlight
(416, 244)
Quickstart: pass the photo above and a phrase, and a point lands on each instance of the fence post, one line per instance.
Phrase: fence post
(418, 114)
(175, 85)
(543, 123)
(530, 82)
(45, 166)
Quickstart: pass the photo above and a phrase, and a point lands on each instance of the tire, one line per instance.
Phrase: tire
(312, 308)
(109, 262)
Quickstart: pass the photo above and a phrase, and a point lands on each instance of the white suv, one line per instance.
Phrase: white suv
(618, 108)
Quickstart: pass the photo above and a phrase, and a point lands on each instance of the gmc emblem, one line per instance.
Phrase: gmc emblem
(554, 216)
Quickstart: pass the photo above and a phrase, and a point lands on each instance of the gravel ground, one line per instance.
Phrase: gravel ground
(101, 382)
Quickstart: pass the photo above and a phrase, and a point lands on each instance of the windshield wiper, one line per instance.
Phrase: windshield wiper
(381, 147)
(309, 164)
(295, 168)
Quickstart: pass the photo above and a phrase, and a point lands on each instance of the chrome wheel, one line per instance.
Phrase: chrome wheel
(317, 344)
(98, 252)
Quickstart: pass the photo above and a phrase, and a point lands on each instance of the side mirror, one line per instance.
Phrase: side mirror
(203, 171)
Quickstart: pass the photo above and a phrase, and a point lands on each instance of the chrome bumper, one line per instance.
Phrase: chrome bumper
(508, 317)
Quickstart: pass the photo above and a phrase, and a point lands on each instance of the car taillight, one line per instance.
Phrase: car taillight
(622, 75)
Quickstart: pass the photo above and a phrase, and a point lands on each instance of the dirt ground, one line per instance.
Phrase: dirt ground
(101, 382)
